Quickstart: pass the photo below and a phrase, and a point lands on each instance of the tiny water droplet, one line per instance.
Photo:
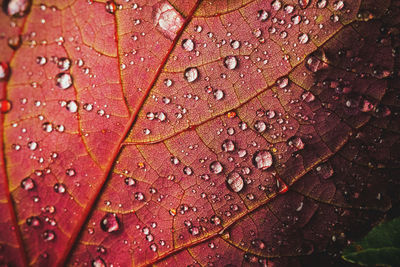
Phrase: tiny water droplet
(187, 170)
(33, 221)
(230, 62)
(49, 235)
(188, 45)
(59, 188)
(64, 63)
(130, 181)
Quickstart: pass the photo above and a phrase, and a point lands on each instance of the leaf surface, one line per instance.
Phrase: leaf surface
(197, 132)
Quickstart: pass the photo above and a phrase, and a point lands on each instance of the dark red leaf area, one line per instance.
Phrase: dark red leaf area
(209, 133)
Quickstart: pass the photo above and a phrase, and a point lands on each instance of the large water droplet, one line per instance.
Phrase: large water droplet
(17, 8)
(216, 167)
(260, 126)
(63, 80)
(218, 94)
(191, 74)
(230, 62)
(235, 181)
(110, 223)
(111, 7)
(72, 106)
(262, 159)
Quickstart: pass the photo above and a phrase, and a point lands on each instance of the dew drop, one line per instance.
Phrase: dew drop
(111, 7)
(216, 167)
(235, 44)
(296, 19)
(218, 94)
(14, 42)
(230, 62)
(110, 223)
(64, 63)
(308, 97)
(4, 71)
(283, 82)
(17, 8)
(98, 262)
(28, 184)
(188, 45)
(72, 106)
(262, 159)
(276, 5)
(168, 82)
(41, 61)
(304, 3)
(228, 146)
(59, 188)
(33, 221)
(5, 105)
(63, 80)
(191, 74)
(235, 181)
(49, 235)
(130, 181)
(32, 145)
(303, 38)
(194, 230)
(262, 15)
(187, 170)
(296, 142)
(322, 3)
(70, 172)
(260, 126)
(215, 220)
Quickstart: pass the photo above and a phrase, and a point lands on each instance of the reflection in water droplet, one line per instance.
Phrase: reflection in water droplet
(235, 181)
(262, 159)
(110, 223)
(191, 74)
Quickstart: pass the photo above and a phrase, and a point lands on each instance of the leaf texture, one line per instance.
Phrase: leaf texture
(196, 133)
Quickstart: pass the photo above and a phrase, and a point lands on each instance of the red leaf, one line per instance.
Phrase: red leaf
(219, 133)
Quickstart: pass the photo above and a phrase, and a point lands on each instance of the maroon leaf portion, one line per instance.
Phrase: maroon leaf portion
(219, 133)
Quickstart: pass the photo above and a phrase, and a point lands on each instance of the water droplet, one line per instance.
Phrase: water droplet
(304, 3)
(215, 220)
(59, 188)
(230, 62)
(63, 80)
(283, 82)
(191, 74)
(64, 63)
(98, 262)
(14, 42)
(242, 125)
(216, 167)
(296, 142)
(260, 126)
(308, 97)
(276, 5)
(314, 64)
(262, 15)
(4, 71)
(70, 172)
(187, 170)
(218, 94)
(5, 105)
(153, 247)
(188, 45)
(194, 230)
(168, 82)
(32, 145)
(303, 38)
(28, 184)
(235, 181)
(130, 181)
(167, 20)
(72, 106)
(17, 8)
(33, 221)
(338, 5)
(296, 19)
(322, 3)
(111, 7)
(228, 145)
(41, 61)
(262, 159)
(49, 235)
(235, 44)
(110, 223)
